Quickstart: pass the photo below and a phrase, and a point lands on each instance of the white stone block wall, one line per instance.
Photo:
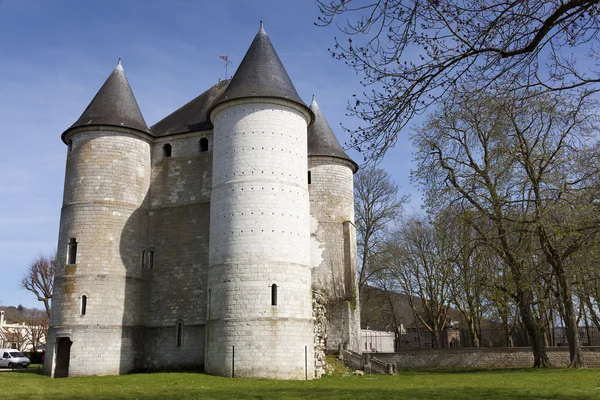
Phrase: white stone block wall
(106, 185)
(259, 236)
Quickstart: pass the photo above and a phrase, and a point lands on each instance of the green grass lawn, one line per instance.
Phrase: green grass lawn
(408, 384)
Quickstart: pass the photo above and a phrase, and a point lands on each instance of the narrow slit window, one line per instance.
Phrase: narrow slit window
(150, 259)
(179, 333)
(203, 145)
(143, 259)
(273, 294)
(309, 177)
(72, 251)
(209, 302)
(83, 304)
(167, 150)
(70, 145)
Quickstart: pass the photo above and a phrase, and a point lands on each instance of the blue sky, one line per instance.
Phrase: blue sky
(55, 55)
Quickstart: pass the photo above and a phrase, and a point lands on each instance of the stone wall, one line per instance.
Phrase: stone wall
(333, 247)
(179, 216)
(106, 184)
(259, 237)
(520, 357)
(125, 198)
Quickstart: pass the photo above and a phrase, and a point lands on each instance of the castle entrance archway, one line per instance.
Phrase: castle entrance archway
(63, 355)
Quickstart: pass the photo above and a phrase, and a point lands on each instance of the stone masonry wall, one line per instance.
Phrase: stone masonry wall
(259, 237)
(520, 357)
(179, 219)
(106, 183)
(333, 247)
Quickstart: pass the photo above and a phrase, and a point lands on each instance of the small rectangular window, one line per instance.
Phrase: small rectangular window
(167, 150)
(203, 145)
(72, 256)
(83, 304)
(150, 260)
(209, 302)
(309, 177)
(274, 295)
(179, 333)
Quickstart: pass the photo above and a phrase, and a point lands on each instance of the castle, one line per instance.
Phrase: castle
(221, 238)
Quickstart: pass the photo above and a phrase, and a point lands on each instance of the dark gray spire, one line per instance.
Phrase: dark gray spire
(114, 105)
(322, 140)
(261, 74)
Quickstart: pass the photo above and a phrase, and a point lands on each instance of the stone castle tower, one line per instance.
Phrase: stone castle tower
(205, 240)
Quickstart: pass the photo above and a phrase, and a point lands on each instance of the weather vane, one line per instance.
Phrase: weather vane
(227, 63)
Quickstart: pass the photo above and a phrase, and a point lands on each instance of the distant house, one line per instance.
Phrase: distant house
(390, 312)
(21, 336)
(377, 341)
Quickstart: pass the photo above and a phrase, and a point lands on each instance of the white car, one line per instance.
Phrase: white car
(11, 358)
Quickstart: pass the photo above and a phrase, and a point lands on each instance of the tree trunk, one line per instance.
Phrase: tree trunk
(473, 332)
(571, 325)
(540, 358)
(593, 314)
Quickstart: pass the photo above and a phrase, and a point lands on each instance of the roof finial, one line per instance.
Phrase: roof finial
(314, 101)
(262, 29)
(119, 66)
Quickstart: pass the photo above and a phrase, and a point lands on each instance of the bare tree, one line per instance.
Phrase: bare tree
(471, 264)
(413, 53)
(377, 204)
(528, 168)
(35, 330)
(39, 279)
(418, 263)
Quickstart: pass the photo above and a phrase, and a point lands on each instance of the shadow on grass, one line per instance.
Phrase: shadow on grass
(350, 394)
(443, 370)
(406, 385)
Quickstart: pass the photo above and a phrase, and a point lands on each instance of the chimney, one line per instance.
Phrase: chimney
(1, 319)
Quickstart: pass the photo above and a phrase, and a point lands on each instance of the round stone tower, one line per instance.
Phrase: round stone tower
(259, 278)
(333, 233)
(95, 317)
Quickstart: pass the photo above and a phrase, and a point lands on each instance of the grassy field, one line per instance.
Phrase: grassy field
(412, 384)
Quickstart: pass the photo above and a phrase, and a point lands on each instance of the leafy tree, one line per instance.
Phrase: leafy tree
(411, 54)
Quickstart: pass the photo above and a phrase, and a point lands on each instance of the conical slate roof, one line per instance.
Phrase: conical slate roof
(322, 140)
(114, 105)
(192, 116)
(261, 74)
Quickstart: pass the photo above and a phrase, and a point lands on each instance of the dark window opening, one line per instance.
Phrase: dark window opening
(167, 150)
(203, 144)
(209, 302)
(309, 177)
(70, 145)
(179, 333)
(72, 251)
(273, 294)
(143, 259)
(150, 259)
(83, 304)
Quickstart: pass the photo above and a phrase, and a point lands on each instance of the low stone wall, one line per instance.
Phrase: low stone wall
(494, 357)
